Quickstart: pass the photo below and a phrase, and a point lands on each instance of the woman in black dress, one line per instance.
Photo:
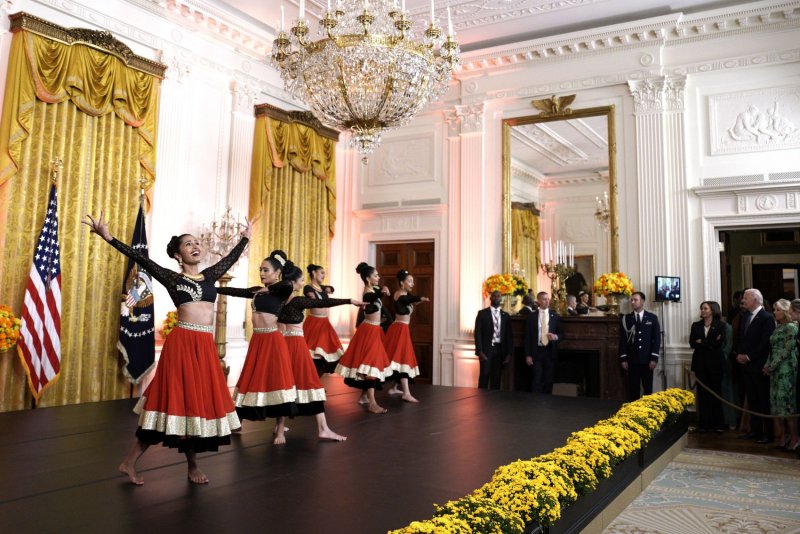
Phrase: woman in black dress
(707, 338)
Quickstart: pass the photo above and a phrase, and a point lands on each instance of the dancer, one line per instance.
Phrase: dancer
(399, 347)
(187, 405)
(323, 343)
(365, 364)
(266, 387)
(310, 393)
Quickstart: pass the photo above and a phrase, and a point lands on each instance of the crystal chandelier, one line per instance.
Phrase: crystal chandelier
(368, 72)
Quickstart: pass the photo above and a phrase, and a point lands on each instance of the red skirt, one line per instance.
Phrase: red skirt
(310, 392)
(365, 357)
(321, 339)
(187, 405)
(266, 387)
(400, 350)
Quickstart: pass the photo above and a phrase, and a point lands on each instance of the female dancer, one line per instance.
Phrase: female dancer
(365, 364)
(324, 344)
(187, 405)
(399, 347)
(310, 393)
(266, 387)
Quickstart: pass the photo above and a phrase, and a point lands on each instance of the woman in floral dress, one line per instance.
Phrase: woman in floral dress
(781, 367)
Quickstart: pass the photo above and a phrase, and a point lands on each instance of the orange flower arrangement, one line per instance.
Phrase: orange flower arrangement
(506, 284)
(9, 328)
(169, 323)
(613, 284)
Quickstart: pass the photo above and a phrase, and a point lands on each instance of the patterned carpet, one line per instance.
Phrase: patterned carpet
(714, 492)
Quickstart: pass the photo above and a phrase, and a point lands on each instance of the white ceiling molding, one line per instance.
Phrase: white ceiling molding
(667, 30)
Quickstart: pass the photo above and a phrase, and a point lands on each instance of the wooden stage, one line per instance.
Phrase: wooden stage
(59, 465)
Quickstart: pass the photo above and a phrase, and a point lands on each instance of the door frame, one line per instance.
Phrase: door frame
(368, 244)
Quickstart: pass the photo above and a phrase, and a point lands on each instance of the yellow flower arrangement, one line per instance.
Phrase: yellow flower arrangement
(613, 284)
(506, 284)
(535, 490)
(9, 328)
(169, 323)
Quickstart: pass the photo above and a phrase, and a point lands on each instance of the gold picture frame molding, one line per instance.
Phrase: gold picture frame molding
(555, 109)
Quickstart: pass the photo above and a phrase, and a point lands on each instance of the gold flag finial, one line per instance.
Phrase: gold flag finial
(55, 168)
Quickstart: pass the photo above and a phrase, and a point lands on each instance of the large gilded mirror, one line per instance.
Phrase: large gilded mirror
(559, 183)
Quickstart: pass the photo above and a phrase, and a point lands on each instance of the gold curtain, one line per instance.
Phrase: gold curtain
(87, 108)
(292, 192)
(525, 243)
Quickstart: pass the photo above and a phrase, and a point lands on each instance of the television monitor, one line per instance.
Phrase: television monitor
(668, 289)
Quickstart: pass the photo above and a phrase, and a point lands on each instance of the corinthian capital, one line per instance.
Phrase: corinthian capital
(470, 116)
(664, 93)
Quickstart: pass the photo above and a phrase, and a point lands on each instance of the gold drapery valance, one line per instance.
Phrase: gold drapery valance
(82, 104)
(292, 187)
(96, 81)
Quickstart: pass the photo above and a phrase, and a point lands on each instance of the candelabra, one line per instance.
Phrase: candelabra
(558, 263)
(558, 274)
(603, 213)
(219, 239)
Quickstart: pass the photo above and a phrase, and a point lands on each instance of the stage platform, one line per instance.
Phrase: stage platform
(59, 465)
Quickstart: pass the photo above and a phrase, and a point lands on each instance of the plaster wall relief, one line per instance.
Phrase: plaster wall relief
(772, 201)
(391, 164)
(471, 117)
(245, 94)
(755, 121)
(179, 66)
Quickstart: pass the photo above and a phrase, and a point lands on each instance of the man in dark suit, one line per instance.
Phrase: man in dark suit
(527, 305)
(640, 343)
(493, 342)
(752, 350)
(542, 334)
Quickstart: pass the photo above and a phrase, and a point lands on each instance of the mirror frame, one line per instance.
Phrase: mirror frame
(554, 109)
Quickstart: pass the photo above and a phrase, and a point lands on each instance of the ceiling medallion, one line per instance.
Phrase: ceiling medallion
(368, 72)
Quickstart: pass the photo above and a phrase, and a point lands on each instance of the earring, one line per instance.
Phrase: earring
(180, 262)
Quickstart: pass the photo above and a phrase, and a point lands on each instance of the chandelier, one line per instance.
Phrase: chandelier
(368, 72)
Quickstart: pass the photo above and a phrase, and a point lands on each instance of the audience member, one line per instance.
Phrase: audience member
(752, 350)
(781, 367)
(707, 338)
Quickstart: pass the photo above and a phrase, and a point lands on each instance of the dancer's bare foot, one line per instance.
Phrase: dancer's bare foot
(395, 391)
(130, 471)
(279, 439)
(409, 398)
(376, 408)
(330, 435)
(197, 476)
(363, 400)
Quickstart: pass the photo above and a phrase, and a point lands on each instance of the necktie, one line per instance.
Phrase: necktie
(748, 318)
(545, 326)
(496, 321)
(638, 323)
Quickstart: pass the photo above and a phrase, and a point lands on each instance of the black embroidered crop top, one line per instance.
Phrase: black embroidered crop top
(404, 304)
(271, 302)
(374, 300)
(322, 294)
(292, 312)
(180, 287)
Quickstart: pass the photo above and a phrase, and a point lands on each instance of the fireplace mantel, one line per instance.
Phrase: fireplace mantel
(583, 333)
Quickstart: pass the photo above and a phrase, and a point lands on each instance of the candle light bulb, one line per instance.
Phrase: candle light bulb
(449, 22)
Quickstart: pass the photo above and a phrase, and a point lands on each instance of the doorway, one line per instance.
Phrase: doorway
(418, 259)
(767, 259)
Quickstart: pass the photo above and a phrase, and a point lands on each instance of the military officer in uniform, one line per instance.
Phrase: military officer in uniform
(639, 343)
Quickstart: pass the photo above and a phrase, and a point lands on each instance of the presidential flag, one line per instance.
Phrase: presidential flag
(136, 322)
(39, 346)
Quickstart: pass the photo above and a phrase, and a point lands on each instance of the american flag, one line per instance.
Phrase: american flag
(39, 346)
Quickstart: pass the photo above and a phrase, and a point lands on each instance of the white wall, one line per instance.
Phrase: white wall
(663, 76)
